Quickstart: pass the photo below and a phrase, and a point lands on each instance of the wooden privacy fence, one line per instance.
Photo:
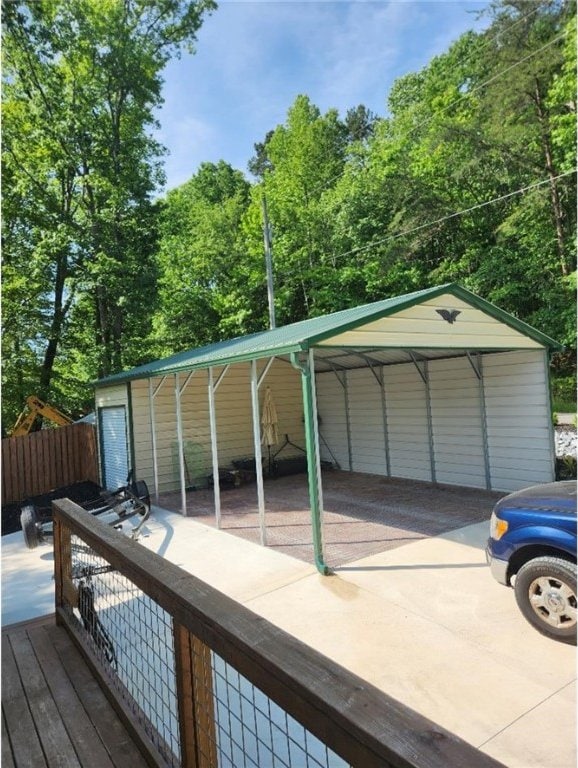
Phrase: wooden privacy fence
(51, 458)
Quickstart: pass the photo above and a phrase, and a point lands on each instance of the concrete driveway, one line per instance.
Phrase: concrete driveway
(424, 622)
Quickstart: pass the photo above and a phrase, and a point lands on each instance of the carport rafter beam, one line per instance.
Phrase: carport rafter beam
(366, 356)
(335, 367)
(152, 395)
(343, 382)
(345, 352)
(187, 381)
(264, 372)
(476, 365)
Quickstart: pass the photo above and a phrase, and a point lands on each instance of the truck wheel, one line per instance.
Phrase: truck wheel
(546, 594)
(30, 526)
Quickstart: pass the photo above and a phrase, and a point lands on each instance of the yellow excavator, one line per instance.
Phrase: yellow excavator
(34, 408)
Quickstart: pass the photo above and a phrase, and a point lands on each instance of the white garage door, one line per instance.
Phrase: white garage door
(114, 446)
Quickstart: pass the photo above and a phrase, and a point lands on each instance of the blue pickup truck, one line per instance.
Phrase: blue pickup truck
(533, 544)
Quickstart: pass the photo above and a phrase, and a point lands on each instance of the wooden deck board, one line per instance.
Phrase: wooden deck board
(6, 760)
(54, 712)
(121, 748)
(89, 748)
(24, 740)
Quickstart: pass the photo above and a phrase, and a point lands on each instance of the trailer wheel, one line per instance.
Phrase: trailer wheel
(31, 527)
(141, 491)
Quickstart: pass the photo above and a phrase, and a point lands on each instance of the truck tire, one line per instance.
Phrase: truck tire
(545, 591)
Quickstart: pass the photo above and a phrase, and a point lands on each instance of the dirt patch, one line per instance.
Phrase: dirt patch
(78, 492)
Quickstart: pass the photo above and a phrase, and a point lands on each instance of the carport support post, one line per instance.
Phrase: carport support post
(180, 445)
(213, 386)
(214, 453)
(178, 392)
(307, 370)
(152, 395)
(258, 454)
(381, 381)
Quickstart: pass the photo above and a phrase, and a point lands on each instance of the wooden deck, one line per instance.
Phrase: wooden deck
(54, 713)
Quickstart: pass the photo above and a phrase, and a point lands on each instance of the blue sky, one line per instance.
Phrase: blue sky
(253, 58)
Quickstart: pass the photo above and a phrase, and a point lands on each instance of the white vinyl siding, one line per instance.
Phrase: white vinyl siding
(519, 433)
(421, 327)
(233, 416)
(519, 421)
(332, 420)
(406, 419)
(409, 445)
(457, 423)
(108, 396)
(366, 420)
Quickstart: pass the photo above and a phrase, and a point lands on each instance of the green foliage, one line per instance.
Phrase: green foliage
(468, 179)
(203, 295)
(563, 389)
(363, 208)
(81, 81)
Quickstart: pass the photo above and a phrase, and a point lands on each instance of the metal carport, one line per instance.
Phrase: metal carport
(424, 386)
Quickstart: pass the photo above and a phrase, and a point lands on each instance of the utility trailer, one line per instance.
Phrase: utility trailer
(130, 500)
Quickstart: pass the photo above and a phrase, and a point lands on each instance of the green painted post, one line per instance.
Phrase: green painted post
(312, 463)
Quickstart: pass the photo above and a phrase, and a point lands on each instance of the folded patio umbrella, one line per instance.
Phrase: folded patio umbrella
(269, 423)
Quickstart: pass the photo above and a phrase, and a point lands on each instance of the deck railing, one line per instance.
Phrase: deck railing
(204, 683)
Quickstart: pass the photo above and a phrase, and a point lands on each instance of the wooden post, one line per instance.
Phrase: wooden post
(65, 593)
(195, 698)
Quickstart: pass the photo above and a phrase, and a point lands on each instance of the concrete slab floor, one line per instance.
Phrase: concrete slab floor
(363, 514)
(425, 622)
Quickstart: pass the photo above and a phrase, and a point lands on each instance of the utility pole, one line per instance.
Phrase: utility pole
(268, 263)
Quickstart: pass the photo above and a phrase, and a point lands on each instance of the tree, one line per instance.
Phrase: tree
(305, 155)
(81, 81)
(205, 286)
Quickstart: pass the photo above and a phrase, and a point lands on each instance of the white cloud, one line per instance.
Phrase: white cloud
(254, 58)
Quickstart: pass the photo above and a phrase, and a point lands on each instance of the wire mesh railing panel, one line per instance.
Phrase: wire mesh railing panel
(207, 685)
(132, 636)
(249, 730)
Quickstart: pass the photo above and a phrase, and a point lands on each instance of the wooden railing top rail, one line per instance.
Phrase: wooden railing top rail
(351, 716)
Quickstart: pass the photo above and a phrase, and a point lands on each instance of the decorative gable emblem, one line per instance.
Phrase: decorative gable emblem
(449, 314)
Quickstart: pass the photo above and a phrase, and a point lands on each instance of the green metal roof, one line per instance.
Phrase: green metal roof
(306, 333)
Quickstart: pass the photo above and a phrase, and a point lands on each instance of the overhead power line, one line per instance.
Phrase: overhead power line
(454, 215)
(467, 93)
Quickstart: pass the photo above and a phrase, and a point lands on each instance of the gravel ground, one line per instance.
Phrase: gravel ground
(566, 440)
